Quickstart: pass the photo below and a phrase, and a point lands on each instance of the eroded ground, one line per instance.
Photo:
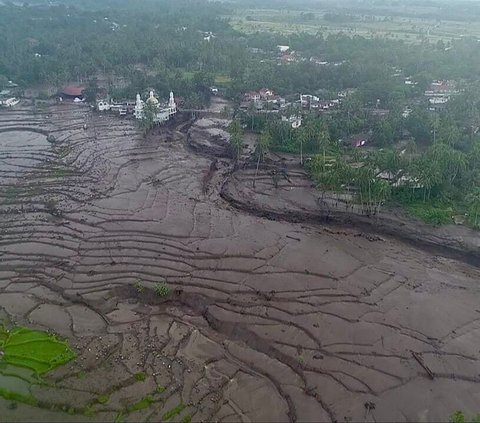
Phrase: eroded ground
(266, 320)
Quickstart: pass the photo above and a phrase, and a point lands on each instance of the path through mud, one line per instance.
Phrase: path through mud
(266, 320)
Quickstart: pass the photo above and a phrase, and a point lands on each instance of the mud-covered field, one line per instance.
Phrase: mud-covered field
(266, 320)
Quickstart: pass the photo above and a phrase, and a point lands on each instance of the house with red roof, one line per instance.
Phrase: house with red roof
(73, 91)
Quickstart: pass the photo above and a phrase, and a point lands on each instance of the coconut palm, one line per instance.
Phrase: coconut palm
(473, 200)
(261, 148)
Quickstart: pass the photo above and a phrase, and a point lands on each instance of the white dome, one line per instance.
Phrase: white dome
(152, 99)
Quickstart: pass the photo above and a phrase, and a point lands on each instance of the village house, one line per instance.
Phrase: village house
(9, 102)
(439, 93)
(312, 102)
(346, 93)
(379, 113)
(359, 140)
(441, 89)
(407, 112)
(252, 96)
(72, 92)
(294, 121)
(265, 93)
(288, 58)
(318, 61)
(307, 99)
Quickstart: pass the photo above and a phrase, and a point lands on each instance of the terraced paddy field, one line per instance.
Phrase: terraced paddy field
(169, 304)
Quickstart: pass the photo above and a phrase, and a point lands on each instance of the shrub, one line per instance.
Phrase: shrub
(140, 376)
(459, 417)
(139, 287)
(162, 289)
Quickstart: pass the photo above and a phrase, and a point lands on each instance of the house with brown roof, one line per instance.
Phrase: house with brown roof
(72, 92)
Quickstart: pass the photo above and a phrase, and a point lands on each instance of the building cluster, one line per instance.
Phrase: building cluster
(8, 95)
(263, 100)
(162, 111)
(266, 101)
(286, 56)
(312, 102)
(439, 93)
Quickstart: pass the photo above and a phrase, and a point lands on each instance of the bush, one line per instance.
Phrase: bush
(459, 417)
(434, 214)
(139, 287)
(162, 289)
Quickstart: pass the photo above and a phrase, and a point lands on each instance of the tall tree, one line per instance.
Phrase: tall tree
(147, 122)
(261, 149)
(236, 138)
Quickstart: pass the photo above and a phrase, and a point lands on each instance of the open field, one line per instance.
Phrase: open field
(410, 29)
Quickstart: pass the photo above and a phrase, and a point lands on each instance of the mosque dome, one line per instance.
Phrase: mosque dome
(152, 99)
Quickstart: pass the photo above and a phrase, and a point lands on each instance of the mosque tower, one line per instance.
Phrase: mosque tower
(171, 102)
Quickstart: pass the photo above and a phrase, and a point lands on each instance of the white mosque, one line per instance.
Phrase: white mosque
(164, 111)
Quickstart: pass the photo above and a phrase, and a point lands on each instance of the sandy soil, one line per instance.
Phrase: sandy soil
(267, 320)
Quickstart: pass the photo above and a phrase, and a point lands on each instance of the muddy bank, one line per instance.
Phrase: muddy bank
(289, 195)
(209, 136)
(180, 305)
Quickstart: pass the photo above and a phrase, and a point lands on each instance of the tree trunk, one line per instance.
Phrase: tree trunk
(256, 171)
(301, 152)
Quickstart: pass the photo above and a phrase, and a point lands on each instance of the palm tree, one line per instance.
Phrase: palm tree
(261, 148)
(236, 138)
(302, 138)
(323, 141)
(473, 200)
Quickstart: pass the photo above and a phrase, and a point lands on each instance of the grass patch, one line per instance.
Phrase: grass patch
(11, 192)
(142, 404)
(140, 376)
(187, 419)
(61, 173)
(17, 397)
(222, 80)
(26, 355)
(64, 151)
(459, 417)
(160, 390)
(188, 75)
(432, 213)
(34, 350)
(174, 412)
(103, 399)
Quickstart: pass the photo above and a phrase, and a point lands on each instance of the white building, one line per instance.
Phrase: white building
(103, 106)
(164, 112)
(294, 121)
(307, 99)
(10, 102)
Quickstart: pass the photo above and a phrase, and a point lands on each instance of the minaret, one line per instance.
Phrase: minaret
(171, 102)
(139, 107)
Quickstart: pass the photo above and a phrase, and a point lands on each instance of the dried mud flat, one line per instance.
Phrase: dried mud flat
(267, 320)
